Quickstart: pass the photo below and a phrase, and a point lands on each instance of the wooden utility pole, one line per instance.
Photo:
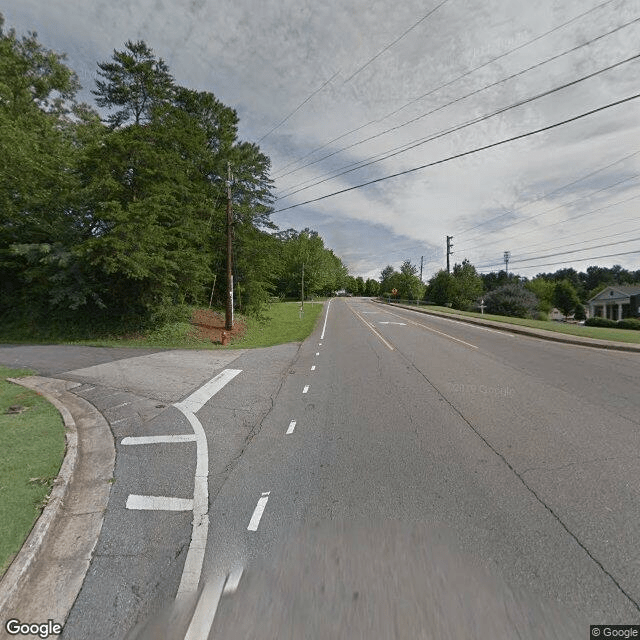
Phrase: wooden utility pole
(229, 308)
(421, 261)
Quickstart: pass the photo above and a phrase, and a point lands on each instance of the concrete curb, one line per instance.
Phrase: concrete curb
(45, 577)
(526, 331)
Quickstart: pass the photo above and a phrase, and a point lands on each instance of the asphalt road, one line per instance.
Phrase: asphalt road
(441, 480)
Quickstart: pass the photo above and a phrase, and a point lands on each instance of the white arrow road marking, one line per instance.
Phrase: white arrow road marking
(258, 511)
(404, 324)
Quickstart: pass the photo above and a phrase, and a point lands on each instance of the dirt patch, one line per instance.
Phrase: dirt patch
(209, 325)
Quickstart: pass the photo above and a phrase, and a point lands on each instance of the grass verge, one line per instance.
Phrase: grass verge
(32, 445)
(599, 333)
(280, 323)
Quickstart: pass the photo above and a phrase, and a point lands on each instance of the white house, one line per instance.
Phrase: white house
(616, 302)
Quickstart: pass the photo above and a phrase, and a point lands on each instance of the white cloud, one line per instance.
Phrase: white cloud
(265, 57)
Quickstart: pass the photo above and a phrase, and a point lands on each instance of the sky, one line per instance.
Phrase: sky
(328, 85)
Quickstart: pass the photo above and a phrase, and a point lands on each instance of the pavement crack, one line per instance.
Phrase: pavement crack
(254, 431)
(578, 463)
(533, 492)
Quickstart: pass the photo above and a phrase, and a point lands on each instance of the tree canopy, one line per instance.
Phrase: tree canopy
(119, 219)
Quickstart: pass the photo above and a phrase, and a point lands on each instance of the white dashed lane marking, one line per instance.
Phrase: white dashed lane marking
(258, 511)
(292, 426)
(306, 388)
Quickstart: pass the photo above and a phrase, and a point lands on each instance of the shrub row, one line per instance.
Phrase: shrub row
(628, 323)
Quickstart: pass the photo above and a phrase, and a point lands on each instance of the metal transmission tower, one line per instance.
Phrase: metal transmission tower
(507, 256)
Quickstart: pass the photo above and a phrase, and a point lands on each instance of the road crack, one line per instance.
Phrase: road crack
(526, 485)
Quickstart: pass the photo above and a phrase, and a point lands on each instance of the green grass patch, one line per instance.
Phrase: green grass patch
(599, 333)
(32, 445)
(281, 323)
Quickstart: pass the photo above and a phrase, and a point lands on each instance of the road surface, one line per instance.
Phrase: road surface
(396, 475)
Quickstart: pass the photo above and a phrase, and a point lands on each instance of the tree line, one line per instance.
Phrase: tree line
(119, 220)
(505, 293)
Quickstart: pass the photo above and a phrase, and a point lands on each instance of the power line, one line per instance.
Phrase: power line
(366, 64)
(606, 226)
(459, 99)
(469, 123)
(610, 255)
(353, 75)
(561, 206)
(573, 244)
(464, 75)
(546, 195)
(561, 253)
(298, 107)
(466, 153)
(553, 224)
(480, 120)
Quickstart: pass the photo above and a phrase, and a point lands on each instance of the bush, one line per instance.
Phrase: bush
(511, 300)
(600, 322)
(629, 323)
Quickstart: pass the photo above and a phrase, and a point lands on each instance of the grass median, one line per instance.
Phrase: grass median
(599, 333)
(32, 445)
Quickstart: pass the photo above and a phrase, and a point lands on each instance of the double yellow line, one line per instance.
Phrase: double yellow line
(373, 329)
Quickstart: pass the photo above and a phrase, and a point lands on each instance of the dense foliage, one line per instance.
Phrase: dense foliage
(121, 221)
(462, 288)
(511, 300)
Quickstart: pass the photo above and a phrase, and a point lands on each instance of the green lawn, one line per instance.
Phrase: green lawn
(600, 333)
(32, 445)
(282, 324)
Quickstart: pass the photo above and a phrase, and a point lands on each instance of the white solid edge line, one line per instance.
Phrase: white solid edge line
(326, 315)
(205, 612)
(185, 437)
(292, 426)
(258, 511)
(200, 529)
(467, 324)
(158, 503)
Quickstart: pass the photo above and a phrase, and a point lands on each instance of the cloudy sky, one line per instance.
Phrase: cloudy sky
(330, 85)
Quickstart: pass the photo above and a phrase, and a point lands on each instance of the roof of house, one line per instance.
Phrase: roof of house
(625, 290)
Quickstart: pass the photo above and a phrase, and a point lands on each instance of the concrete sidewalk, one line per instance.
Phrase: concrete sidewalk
(553, 336)
(46, 576)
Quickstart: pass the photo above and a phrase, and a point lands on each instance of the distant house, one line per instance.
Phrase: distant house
(616, 302)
